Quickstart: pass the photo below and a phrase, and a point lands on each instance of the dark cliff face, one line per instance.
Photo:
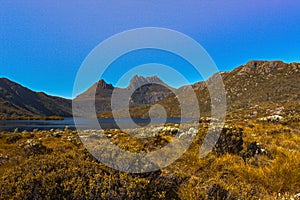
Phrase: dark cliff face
(16, 100)
(148, 94)
(138, 81)
(103, 85)
(147, 90)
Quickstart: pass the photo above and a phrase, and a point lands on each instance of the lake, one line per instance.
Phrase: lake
(83, 123)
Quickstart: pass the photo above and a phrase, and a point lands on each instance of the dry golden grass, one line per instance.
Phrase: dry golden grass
(68, 171)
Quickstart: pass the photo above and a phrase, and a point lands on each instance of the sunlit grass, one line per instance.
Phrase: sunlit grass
(69, 171)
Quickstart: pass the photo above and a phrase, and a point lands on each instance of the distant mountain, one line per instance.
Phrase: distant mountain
(145, 90)
(16, 100)
(256, 88)
(137, 81)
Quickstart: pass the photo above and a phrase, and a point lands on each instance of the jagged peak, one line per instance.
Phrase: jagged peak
(103, 85)
(141, 80)
(148, 78)
(135, 81)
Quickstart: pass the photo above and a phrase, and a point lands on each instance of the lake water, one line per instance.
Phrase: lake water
(82, 123)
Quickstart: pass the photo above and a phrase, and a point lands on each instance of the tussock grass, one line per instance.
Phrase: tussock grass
(68, 171)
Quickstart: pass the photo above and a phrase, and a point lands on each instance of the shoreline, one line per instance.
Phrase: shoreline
(58, 118)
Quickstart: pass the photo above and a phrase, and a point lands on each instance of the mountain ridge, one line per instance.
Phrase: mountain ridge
(264, 84)
(255, 82)
(144, 90)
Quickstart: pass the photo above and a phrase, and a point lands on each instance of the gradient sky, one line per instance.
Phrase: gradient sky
(43, 43)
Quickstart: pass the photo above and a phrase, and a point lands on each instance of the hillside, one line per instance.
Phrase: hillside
(256, 88)
(17, 101)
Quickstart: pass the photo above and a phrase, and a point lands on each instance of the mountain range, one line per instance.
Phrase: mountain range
(258, 87)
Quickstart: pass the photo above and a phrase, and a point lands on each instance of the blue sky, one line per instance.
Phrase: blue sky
(43, 43)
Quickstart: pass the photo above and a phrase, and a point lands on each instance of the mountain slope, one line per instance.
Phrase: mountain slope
(255, 82)
(259, 87)
(256, 88)
(16, 100)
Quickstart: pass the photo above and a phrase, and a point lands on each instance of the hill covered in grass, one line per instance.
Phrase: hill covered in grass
(18, 102)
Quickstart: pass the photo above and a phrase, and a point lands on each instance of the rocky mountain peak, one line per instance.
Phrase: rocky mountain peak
(137, 81)
(103, 85)
(260, 67)
(254, 63)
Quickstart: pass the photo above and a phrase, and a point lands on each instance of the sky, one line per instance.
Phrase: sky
(44, 43)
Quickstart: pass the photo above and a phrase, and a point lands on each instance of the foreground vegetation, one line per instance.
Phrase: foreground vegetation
(252, 160)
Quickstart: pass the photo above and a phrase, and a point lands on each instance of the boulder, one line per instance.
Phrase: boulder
(230, 141)
(271, 118)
